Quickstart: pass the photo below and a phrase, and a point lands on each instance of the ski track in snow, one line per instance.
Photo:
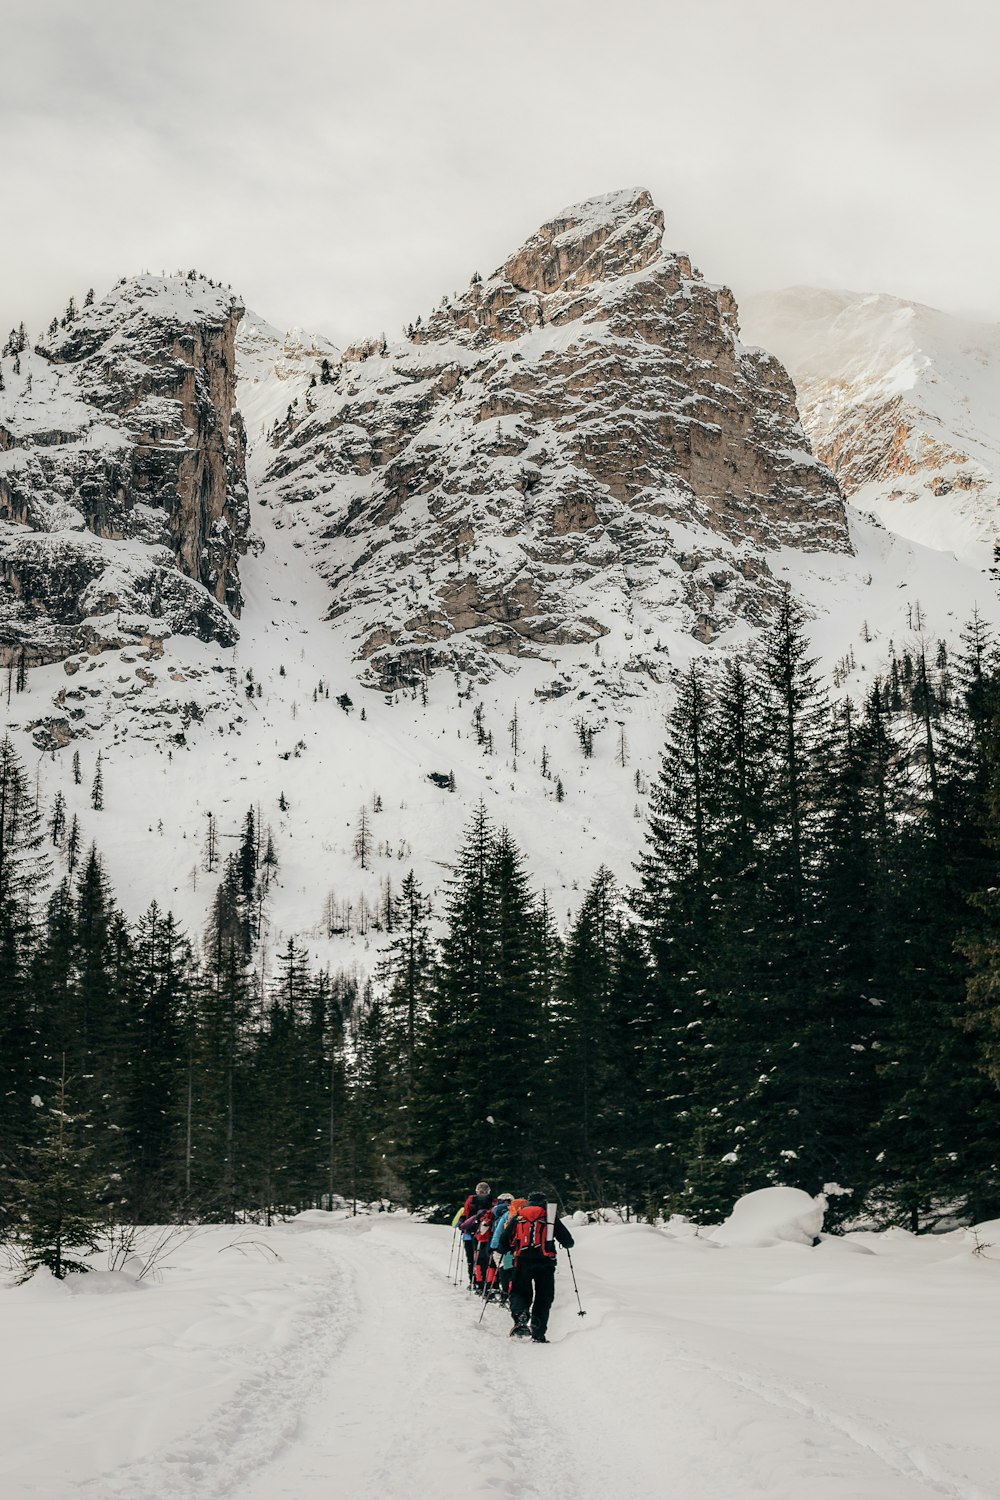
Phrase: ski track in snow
(258, 1420)
(391, 1388)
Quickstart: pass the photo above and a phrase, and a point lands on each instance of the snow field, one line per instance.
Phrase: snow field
(350, 1366)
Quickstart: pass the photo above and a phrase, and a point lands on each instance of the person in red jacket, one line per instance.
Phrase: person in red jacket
(478, 1227)
(531, 1234)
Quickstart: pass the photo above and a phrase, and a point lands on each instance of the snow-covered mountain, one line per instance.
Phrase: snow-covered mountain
(484, 551)
(903, 403)
(123, 504)
(576, 450)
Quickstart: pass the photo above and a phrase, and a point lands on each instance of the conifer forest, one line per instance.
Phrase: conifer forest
(801, 987)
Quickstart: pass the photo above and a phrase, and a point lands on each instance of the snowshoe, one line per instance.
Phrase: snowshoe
(520, 1328)
(539, 1338)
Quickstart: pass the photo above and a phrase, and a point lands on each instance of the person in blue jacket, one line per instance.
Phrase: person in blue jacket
(506, 1270)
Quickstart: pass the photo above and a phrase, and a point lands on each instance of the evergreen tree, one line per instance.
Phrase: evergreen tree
(599, 1006)
(97, 790)
(23, 870)
(218, 1022)
(60, 1191)
(158, 997)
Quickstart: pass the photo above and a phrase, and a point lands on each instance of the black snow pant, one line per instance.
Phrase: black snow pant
(533, 1289)
(470, 1254)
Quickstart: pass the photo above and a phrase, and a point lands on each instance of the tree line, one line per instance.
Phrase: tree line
(802, 985)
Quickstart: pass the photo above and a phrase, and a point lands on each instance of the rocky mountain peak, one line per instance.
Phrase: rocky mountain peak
(557, 275)
(120, 427)
(603, 237)
(578, 440)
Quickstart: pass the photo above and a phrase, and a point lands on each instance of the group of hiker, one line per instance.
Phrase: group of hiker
(510, 1248)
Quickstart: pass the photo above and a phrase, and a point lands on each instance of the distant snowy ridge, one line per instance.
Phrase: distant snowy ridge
(903, 402)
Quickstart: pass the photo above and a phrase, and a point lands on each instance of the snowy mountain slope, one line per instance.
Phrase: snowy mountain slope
(332, 1355)
(903, 403)
(237, 752)
(275, 370)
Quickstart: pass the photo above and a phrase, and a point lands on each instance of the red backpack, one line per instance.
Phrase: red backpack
(531, 1231)
(484, 1229)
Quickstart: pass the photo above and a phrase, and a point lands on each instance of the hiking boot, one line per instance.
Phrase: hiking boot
(539, 1338)
(519, 1331)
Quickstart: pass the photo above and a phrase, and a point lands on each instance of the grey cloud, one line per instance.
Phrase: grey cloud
(344, 163)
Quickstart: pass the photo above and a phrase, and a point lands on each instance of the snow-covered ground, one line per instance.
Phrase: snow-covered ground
(331, 1356)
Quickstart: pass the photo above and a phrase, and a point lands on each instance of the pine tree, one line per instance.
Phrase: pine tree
(218, 1023)
(73, 845)
(23, 871)
(57, 822)
(247, 857)
(591, 1077)
(363, 840)
(405, 972)
(60, 1190)
(158, 997)
(97, 790)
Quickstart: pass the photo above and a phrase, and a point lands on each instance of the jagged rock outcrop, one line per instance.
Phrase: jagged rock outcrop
(903, 402)
(123, 496)
(577, 444)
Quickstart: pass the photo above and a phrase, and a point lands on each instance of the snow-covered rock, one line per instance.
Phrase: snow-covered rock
(772, 1215)
(123, 500)
(903, 402)
(577, 443)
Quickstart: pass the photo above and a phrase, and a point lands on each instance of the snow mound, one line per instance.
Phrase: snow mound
(772, 1215)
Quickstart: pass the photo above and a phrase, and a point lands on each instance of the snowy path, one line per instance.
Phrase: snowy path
(350, 1367)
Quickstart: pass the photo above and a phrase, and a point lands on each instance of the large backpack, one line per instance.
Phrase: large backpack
(531, 1231)
(484, 1229)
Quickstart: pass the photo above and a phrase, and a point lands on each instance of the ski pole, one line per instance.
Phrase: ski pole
(451, 1253)
(581, 1313)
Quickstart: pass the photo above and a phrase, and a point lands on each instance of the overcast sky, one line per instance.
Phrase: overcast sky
(344, 162)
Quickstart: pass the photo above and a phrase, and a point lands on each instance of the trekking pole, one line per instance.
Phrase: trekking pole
(581, 1313)
(451, 1253)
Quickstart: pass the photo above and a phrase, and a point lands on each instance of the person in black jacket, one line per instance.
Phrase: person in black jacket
(532, 1239)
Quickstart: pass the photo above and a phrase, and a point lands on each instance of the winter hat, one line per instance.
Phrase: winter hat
(537, 1200)
(505, 1197)
(482, 1187)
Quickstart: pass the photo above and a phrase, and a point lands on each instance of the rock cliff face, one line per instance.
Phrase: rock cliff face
(580, 441)
(123, 498)
(903, 402)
